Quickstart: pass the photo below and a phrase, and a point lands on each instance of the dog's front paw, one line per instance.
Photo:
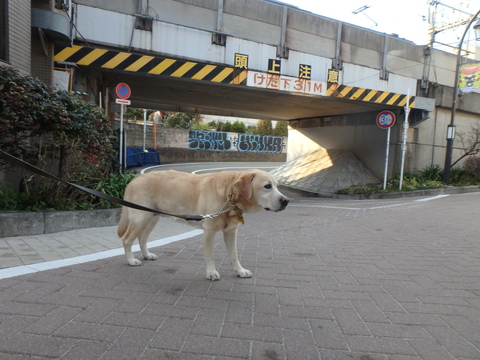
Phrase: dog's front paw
(213, 275)
(244, 273)
(134, 262)
(150, 256)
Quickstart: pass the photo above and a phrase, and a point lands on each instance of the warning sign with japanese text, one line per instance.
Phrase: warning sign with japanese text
(286, 83)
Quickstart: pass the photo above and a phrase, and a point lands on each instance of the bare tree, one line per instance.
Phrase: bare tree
(470, 142)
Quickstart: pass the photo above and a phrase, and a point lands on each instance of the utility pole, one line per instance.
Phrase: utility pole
(443, 19)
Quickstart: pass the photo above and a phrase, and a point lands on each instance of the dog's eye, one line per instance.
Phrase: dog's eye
(268, 186)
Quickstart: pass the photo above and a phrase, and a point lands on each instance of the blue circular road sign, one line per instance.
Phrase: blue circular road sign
(123, 91)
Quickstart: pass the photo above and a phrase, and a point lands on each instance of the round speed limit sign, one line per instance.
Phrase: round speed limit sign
(385, 119)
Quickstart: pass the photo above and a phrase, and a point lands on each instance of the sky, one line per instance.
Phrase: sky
(406, 18)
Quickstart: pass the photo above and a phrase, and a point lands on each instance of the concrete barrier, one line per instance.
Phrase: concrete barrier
(36, 223)
(176, 155)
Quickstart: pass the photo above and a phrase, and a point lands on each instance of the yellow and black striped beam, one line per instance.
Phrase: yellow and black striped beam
(368, 95)
(152, 65)
(144, 64)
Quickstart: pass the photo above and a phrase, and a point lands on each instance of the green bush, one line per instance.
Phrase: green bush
(114, 185)
(55, 131)
(251, 129)
(179, 120)
(429, 178)
(238, 127)
(472, 165)
(9, 199)
(39, 199)
(432, 172)
(203, 126)
(224, 126)
(281, 128)
(42, 125)
(462, 177)
(264, 127)
(136, 114)
(361, 189)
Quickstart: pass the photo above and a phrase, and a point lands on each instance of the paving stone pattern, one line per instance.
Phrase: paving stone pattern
(333, 279)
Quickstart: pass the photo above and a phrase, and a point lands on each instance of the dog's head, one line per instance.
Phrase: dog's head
(256, 190)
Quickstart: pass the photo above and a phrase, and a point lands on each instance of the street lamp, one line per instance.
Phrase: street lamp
(451, 126)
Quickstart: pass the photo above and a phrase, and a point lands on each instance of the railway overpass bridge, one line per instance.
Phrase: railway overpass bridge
(264, 59)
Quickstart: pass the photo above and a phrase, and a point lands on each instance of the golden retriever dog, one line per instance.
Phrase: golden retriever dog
(222, 197)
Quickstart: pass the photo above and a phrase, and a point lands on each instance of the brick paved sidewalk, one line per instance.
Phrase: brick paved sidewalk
(333, 279)
(27, 250)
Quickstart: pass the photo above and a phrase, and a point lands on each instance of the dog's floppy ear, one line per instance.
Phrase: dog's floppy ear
(244, 185)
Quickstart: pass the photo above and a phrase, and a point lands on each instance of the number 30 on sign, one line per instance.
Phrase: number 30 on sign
(385, 119)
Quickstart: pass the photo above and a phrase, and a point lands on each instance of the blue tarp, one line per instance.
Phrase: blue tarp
(136, 157)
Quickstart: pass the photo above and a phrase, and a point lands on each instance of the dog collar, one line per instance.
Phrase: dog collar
(226, 208)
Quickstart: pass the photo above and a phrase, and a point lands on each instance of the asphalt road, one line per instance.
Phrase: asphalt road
(384, 279)
(208, 167)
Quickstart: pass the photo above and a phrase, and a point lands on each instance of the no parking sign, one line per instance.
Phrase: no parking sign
(123, 91)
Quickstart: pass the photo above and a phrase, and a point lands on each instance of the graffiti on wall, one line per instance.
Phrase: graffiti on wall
(222, 141)
(260, 143)
(209, 140)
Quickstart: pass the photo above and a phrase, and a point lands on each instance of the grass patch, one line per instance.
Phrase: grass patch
(429, 178)
(40, 198)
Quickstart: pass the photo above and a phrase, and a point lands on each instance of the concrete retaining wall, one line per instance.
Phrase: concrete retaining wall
(173, 146)
(36, 223)
(172, 156)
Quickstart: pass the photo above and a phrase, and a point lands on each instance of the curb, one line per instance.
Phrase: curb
(38, 223)
(451, 190)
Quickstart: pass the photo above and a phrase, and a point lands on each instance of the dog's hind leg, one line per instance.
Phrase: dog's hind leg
(230, 238)
(135, 229)
(128, 240)
(142, 239)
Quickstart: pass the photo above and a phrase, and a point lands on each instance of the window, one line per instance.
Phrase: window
(144, 23)
(4, 30)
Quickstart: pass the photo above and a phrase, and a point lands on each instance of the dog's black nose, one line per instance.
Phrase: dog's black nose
(284, 202)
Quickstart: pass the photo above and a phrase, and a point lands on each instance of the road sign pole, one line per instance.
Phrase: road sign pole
(404, 141)
(123, 92)
(385, 171)
(385, 120)
(120, 151)
(144, 128)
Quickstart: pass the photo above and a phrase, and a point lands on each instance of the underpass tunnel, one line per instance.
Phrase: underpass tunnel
(315, 123)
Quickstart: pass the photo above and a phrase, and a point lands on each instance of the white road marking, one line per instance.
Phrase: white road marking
(366, 208)
(233, 167)
(143, 171)
(56, 264)
(432, 198)
(168, 165)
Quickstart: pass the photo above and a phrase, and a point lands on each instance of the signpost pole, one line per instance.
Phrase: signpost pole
(123, 92)
(144, 128)
(385, 120)
(120, 151)
(386, 160)
(404, 141)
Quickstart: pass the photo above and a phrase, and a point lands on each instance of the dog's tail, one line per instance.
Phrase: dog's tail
(123, 224)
